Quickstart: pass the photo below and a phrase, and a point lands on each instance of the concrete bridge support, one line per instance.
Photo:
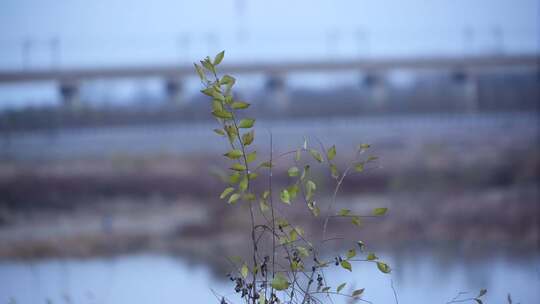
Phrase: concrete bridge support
(69, 92)
(174, 91)
(377, 87)
(469, 87)
(276, 86)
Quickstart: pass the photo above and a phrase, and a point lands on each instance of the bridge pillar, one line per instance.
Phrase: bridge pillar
(377, 88)
(174, 90)
(276, 86)
(69, 92)
(469, 87)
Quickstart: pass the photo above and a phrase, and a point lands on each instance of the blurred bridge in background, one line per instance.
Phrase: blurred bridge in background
(373, 71)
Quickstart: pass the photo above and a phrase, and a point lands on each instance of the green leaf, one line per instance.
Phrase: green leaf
(266, 194)
(209, 91)
(262, 300)
(344, 212)
(297, 155)
(250, 197)
(219, 132)
(238, 105)
(234, 178)
(244, 271)
(293, 191)
(222, 114)
(310, 187)
(351, 253)
(227, 80)
(359, 167)
(200, 72)
(219, 57)
(234, 198)
(371, 256)
(238, 167)
(302, 251)
(293, 171)
(246, 123)
(327, 288)
(379, 211)
(243, 184)
(266, 164)
(363, 146)
(226, 192)
(331, 152)
(334, 171)
(234, 154)
(316, 155)
(251, 156)
(355, 220)
(346, 265)
(384, 268)
(285, 197)
(264, 206)
(357, 292)
(340, 287)
(280, 282)
(372, 158)
(248, 137)
(208, 65)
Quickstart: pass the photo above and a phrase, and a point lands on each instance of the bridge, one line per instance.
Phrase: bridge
(69, 79)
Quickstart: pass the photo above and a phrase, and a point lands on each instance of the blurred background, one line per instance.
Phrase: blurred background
(110, 171)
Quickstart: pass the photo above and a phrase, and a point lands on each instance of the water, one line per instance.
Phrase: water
(419, 278)
(189, 138)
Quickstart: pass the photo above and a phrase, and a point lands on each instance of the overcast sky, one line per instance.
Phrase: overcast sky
(122, 31)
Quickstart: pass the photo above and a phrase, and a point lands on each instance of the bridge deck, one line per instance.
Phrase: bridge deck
(468, 63)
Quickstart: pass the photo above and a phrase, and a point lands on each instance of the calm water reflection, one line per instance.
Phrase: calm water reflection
(164, 279)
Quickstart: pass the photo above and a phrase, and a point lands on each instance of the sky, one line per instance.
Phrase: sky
(41, 34)
(129, 31)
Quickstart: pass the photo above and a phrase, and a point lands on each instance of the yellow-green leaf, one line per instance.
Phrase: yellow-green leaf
(316, 155)
(246, 123)
(334, 171)
(233, 154)
(234, 198)
(346, 265)
(331, 153)
(344, 212)
(226, 192)
(244, 271)
(371, 256)
(219, 57)
(219, 131)
(384, 268)
(248, 137)
(280, 282)
(379, 211)
(356, 221)
(358, 292)
(285, 197)
(359, 167)
(222, 114)
(238, 167)
(340, 287)
(351, 253)
(251, 156)
(238, 105)
(293, 171)
(264, 206)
